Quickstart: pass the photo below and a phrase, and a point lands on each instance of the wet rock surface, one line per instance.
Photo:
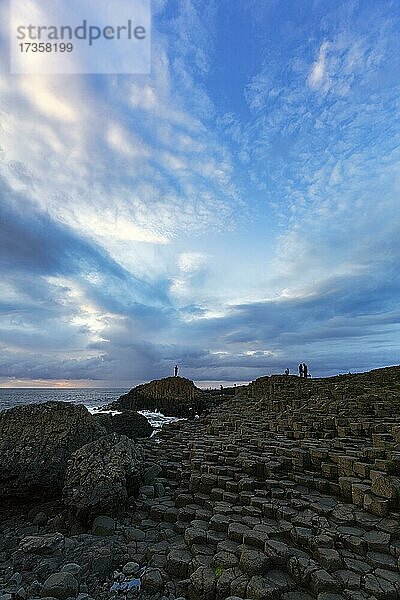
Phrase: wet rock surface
(129, 423)
(273, 494)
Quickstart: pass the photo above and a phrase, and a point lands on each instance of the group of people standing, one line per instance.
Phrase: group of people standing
(303, 371)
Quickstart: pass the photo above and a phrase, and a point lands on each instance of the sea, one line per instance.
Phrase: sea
(95, 399)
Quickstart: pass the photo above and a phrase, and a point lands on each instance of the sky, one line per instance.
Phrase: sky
(234, 212)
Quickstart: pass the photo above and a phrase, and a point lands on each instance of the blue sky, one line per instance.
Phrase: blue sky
(235, 212)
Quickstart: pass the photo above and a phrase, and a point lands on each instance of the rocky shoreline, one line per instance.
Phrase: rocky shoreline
(289, 489)
(172, 396)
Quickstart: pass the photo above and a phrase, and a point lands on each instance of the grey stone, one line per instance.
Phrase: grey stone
(321, 581)
(102, 475)
(61, 586)
(301, 569)
(173, 396)
(349, 579)
(253, 562)
(103, 526)
(31, 465)
(262, 589)
(151, 473)
(377, 540)
(178, 562)
(72, 568)
(16, 579)
(134, 535)
(129, 423)
(147, 491)
(329, 558)
(281, 580)
(203, 582)
(152, 580)
(40, 519)
(225, 560)
(131, 568)
(380, 588)
(195, 536)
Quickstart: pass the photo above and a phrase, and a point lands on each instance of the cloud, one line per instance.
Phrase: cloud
(190, 262)
(150, 221)
(38, 90)
(192, 271)
(119, 175)
(125, 144)
(318, 72)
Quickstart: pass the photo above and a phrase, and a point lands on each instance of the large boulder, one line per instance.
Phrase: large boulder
(172, 396)
(102, 475)
(36, 441)
(129, 423)
(61, 586)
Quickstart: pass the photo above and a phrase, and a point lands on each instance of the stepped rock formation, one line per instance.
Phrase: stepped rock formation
(288, 490)
(36, 441)
(172, 396)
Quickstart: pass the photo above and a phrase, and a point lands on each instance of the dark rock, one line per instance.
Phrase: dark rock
(131, 568)
(61, 586)
(35, 443)
(40, 519)
(97, 556)
(103, 526)
(40, 555)
(178, 563)
(102, 475)
(152, 580)
(134, 535)
(253, 562)
(262, 589)
(203, 583)
(72, 568)
(34, 589)
(151, 474)
(172, 396)
(129, 423)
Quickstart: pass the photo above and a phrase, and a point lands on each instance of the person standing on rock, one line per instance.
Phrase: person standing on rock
(176, 369)
(301, 371)
(305, 370)
(287, 371)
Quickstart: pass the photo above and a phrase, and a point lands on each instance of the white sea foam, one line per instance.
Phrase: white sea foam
(156, 419)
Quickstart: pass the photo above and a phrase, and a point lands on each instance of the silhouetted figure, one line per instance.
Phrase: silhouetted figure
(221, 387)
(287, 371)
(305, 370)
(176, 369)
(301, 370)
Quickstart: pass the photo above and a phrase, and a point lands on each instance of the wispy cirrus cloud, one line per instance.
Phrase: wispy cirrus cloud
(318, 72)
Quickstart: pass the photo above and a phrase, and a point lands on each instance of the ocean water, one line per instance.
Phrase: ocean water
(90, 397)
(93, 398)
